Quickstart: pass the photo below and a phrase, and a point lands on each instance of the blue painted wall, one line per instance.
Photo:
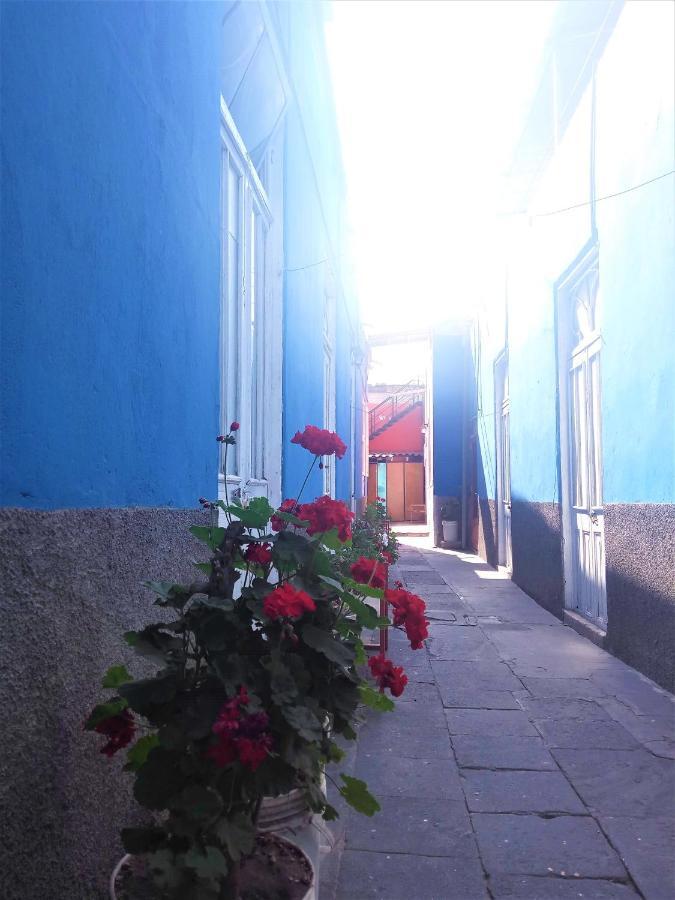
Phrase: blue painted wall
(317, 263)
(631, 141)
(110, 259)
(449, 379)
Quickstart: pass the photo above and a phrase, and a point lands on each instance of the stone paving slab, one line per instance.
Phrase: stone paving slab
(571, 734)
(503, 752)
(531, 887)
(567, 846)
(511, 792)
(621, 782)
(520, 750)
(422, 826)
(437, 779)
(646, 847)
(400, 876)
(489, 722)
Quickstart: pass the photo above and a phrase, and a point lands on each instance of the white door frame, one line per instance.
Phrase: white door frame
(502, 407)
(566, 350)
(260, 475)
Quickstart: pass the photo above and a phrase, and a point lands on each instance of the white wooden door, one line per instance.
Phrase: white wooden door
(248, 358)
(503, 435)
(587, 519)
(585, 589)
(506, 481)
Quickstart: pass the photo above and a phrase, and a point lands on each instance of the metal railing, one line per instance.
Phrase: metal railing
(392, 407)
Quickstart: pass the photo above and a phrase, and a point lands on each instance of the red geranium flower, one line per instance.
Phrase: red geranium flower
(320, 441)
(369, 571)
(241, 736)
(288, 506)
(118, 729)
(287, 602)
(260, 554)
(325, 514)
(388, 675)
(409, 610)
(234, 426)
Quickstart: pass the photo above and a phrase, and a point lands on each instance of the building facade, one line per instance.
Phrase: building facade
(173, 259)
(574, 425)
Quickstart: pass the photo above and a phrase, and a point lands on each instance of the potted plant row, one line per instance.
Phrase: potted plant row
(257, 670)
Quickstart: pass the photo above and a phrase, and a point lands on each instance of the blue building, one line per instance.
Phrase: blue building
(173, 259)
(575, 405)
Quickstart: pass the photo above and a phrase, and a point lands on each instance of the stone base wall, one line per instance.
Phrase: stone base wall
(487, 530)
(71, 585)
(536, 548)
(640, 554)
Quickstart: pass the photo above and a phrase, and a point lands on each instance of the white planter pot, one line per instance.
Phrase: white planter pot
(450, 532)
(311, 894)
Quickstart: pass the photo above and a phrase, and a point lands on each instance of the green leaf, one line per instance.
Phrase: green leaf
(331, 540)
(211, 535)
(168, 593)
(148, 692)
(138, 754)
(330, 813)
(256, 515)
(211, 864)
(200, 803)
(115, 676)
(333, 582)
(358, 796)
(160, 779)
(238, 835)
(366, 616)
(282, 684)
(291, 519)
(303, 721)
(143, 840)
(360, 658)
(105, 711)
(367, 590)
(321, 641)
(203, 567)
(293, 547)
(153, 641)
(374, 699)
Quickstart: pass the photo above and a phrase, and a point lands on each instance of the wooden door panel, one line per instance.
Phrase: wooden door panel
(396, 491)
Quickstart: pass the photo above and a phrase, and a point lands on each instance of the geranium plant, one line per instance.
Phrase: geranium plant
(258, 670)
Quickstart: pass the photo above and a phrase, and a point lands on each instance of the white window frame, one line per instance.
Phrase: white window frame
(329, 381)
(256, 468)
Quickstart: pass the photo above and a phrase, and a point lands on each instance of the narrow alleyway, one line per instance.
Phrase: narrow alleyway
(522, 762)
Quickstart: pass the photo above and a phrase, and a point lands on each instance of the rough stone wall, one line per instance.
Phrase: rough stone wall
(487, 530)
(71, 585)
(536, 544)
(640, 554)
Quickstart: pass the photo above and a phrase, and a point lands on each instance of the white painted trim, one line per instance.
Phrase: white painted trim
(254, 199)
(564, 312)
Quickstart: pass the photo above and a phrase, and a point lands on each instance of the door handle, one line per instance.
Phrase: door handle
(594, 519)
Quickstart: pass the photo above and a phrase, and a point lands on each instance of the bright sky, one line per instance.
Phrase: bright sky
(431, 98)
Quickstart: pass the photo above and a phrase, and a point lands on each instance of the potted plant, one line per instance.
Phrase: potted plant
(256, 673)
(450, 513)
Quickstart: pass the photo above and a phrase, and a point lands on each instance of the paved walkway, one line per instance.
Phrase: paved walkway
(523, 762)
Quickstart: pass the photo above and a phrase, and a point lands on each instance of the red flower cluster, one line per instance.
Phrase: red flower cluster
(409, 612)
(388, 675)
(288, 506)
(118, 729)
(389, 559)
(259, 554)
(320, 442)
(242, 737)
(369, 571)
(287, 602)
(325, 514)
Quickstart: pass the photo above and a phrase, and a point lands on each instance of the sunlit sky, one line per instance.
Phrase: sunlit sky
(431, 98)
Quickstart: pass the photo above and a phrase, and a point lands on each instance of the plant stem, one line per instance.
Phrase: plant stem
(304, 483)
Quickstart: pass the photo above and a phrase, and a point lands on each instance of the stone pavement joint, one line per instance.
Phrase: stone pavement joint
(522, 762)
